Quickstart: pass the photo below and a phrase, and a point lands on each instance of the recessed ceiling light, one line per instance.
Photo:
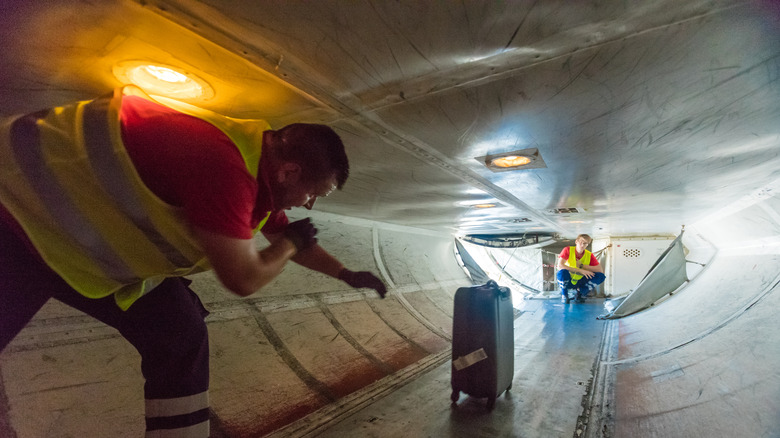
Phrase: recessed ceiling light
(163, 80)
(164, 74)
(514, 160)
(511, 161)
(484, 205)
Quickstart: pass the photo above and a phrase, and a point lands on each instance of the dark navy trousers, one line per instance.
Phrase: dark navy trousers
(166, 326)
(583, 286)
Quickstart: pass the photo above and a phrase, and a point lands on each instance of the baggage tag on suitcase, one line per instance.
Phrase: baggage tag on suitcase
(469, 359)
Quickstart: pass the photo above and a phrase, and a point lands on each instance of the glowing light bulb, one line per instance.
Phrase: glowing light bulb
(163, 80)
(511, 161)
(166, 74)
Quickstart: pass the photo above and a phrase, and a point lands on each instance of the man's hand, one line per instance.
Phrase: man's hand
(587, 274)
(363, 279)
(301, 233)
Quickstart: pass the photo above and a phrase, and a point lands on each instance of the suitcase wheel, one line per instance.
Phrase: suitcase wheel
(491, 403)
(455, 396)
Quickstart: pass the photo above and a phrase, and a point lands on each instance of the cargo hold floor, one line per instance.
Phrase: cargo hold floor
(556, 346)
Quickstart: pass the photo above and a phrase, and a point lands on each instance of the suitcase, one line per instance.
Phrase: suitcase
(482, 342)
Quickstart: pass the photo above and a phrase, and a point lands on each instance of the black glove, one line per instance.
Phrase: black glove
(301, 233)
(363, 279)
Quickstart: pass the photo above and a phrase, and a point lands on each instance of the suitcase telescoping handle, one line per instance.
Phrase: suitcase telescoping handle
(503, 292)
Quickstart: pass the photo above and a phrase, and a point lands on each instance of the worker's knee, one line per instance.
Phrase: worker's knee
(169, 324)
(598, 278)
(174, 351)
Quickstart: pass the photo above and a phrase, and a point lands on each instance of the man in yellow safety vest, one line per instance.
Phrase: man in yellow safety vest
(579, 271)
(107, 204)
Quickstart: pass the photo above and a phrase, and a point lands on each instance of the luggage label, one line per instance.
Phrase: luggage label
(469, 359)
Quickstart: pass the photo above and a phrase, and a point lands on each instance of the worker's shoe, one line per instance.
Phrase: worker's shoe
(565, 298)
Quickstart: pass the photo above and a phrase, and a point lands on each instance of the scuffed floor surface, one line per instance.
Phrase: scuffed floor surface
(556, 346)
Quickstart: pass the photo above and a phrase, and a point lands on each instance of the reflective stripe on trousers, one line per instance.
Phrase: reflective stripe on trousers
(182, 417)
(166, 327)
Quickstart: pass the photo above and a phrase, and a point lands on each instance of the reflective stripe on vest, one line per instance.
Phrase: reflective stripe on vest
(572, 262)
(67, 179)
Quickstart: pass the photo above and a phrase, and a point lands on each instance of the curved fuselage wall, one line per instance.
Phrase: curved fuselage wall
(704, 362)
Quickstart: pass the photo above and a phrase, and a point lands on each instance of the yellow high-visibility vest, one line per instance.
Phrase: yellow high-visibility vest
(66, 177)
(572, 262)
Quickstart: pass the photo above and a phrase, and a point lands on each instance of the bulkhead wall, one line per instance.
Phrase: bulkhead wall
(303, 351)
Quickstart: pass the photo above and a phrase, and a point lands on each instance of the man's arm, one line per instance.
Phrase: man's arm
(596, 268)
(239, 265)
(314, 258)
(242, 268)
(317, 259)
(585, 271)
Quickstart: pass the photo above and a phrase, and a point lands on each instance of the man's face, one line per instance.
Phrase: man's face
(292, 190)
(581, 244)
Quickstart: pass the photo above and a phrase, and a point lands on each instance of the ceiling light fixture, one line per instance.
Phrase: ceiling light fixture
(510, 161)
(163, 80)
(515, 160)
(484, 205)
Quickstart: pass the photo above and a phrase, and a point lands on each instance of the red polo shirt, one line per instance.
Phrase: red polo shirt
(189, 163)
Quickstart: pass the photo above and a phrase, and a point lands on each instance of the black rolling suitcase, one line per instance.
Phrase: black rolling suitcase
(483, 358)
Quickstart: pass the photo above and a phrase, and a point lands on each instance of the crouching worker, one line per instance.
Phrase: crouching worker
(106, 204)
(579, 272)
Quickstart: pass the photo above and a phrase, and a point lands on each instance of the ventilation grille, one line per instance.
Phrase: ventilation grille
(564, 210)
(632, 252)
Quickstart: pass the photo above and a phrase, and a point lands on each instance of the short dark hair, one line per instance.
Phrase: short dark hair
(316, 148)
(585, 236)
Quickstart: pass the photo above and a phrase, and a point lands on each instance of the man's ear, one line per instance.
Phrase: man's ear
(289, 172)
